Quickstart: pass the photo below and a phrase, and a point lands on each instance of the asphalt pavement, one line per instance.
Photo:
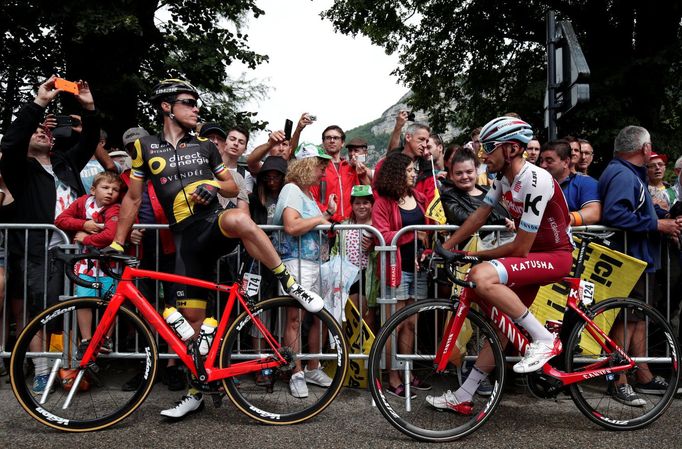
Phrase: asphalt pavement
(350, 422)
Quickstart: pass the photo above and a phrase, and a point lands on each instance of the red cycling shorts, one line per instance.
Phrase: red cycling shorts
(525, 275)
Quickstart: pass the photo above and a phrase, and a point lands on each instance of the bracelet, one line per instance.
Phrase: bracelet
(577, 218)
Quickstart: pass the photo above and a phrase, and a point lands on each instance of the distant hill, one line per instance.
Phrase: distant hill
(378, 132)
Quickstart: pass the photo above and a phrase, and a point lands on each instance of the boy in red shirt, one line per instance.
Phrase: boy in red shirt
(94, 219)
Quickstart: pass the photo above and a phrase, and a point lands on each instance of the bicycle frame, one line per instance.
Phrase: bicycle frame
(508, 328)
(127, 291)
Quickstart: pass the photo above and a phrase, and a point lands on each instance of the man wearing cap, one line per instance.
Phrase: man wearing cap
(580, 190)
(357, 155)
(662, 194)
(340, 176)
(187, 173)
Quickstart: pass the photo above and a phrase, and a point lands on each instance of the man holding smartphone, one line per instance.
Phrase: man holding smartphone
(357, 155)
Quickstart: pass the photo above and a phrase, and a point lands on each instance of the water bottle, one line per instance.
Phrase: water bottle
(178, 322)
(206, 336)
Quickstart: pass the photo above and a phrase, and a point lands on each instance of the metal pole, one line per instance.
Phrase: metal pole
(551, 76)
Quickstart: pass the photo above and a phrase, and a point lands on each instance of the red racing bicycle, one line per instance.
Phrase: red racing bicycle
(449, 334)
(263, 336)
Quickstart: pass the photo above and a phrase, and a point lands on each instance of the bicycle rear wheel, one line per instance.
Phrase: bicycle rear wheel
(415, 417)
(653, 345)
(48, 346)
(271, 401)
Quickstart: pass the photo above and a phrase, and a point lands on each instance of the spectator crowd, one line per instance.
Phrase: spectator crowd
(70, 176)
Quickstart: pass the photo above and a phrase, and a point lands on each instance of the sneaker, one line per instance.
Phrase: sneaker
(40, 383)
(107, 346)
(657, 386)
(188, 404)
(310, 300)
(419, 384)
(485, 388)
(537, 354)
(624, 394)
(448, 401)
(297, 385)
(400, 392)
(82, 347)
(317, 377)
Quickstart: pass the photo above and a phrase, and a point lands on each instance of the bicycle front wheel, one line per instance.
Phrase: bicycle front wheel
(648, 338)
(405, 349)
(45, 359)
(307, 340)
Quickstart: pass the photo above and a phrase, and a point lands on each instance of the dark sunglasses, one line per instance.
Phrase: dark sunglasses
(489, 147)
(191, 102)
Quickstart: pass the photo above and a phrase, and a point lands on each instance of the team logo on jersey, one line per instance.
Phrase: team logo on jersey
(154, 146)
(163, 180)
(182, 145)
(532, 204)
(517, 186)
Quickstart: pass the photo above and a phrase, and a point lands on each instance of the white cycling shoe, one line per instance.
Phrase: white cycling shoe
(310, 300)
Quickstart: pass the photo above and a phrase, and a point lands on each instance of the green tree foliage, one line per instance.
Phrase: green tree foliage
(488, 57)
(122, 48)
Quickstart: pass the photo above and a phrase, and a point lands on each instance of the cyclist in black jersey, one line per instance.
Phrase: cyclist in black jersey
(188, 173)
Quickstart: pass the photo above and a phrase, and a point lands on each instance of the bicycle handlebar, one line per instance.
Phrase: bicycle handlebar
(104, 259)
(452, 258)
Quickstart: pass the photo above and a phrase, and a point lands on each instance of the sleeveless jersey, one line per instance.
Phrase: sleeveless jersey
(176, 172)
(537, 205)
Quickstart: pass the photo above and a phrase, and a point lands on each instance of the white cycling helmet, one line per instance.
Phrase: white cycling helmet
(504, 129)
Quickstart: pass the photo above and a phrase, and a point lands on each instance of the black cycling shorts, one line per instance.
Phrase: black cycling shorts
(198, 247)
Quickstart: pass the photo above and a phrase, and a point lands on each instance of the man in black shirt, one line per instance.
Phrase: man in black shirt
(187, 173)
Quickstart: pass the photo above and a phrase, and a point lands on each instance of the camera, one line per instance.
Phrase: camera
(410, 116)
(312, 118)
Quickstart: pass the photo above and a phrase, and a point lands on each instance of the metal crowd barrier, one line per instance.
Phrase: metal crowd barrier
(386, 299)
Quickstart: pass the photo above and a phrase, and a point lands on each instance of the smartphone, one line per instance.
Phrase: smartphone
(361, 158)
(288, 124)
(66, 120)
(67, 86)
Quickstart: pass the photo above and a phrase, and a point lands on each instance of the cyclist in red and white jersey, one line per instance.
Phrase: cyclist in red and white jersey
(541, 252)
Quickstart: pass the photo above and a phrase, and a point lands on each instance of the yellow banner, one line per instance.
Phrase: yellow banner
(614, 275)
(435, 209)
(360, 339)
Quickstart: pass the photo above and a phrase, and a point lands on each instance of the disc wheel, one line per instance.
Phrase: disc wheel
(651, 342)
(414, 359)
(306, 339)
(109, 391)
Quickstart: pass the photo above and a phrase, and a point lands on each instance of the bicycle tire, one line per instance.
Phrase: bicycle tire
(273, 403)
(594, 396)
(421, 421)
(104, 403)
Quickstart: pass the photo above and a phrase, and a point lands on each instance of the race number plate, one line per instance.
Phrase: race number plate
(251, 284)
(586, 292)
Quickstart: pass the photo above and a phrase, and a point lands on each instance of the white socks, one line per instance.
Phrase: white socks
(537, 331)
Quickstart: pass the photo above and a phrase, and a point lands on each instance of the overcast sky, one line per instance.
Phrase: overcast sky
(342, 80)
